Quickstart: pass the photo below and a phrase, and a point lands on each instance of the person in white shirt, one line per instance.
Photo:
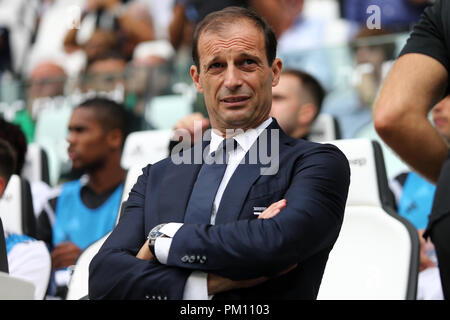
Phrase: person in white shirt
(261, 228)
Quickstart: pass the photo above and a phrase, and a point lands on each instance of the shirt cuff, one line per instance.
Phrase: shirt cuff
(162, 245)
(170, 229)
(196, 287)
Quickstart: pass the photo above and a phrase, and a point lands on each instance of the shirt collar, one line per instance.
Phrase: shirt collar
(245, 139)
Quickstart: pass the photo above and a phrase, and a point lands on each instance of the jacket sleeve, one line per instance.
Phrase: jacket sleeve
(311, 222)
(116, 273)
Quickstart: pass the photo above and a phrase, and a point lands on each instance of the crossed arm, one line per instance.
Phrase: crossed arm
(216, 283)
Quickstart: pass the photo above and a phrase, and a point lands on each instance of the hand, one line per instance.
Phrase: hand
(192, 123)
(65, 254)
(274, 209)
(425, 261)
(217, 284)
(145, 253)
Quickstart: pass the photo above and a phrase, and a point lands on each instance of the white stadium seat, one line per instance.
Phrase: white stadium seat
(376, 256)
(144, 147)
(78, 287)
(12, 288)
(16, 207)
(324, 128)
(36, 164)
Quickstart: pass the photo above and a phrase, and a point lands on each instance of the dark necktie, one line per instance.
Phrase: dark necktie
(208, 180)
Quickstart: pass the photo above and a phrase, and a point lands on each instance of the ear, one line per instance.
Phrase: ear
(115, 138)
(277, 65)
(195, 75)
(306, 114)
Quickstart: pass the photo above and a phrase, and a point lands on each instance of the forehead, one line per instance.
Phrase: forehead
(46, 71)
(240, 36)
(84, 117)
(446, 101)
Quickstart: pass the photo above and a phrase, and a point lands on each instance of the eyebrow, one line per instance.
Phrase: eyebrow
(242, 55)
(251, 56)
(76, 127)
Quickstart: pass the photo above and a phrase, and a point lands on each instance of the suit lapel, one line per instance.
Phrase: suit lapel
(177, 187)
(243, 178)
(236, 191)
(179, 182)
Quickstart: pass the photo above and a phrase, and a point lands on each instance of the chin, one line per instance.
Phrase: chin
(237, 123)
(77, 167)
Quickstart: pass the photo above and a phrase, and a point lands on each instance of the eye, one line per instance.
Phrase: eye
(77, 129)
(249, 61)
(216, 65)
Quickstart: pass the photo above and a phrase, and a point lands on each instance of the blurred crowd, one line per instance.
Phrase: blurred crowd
(139, 49)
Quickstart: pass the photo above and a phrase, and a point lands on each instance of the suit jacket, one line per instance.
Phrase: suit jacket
(313, 178)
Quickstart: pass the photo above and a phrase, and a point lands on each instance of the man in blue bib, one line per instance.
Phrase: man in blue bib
(82, 211)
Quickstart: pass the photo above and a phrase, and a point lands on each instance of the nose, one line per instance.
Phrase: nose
(233, 79)
(70, 137)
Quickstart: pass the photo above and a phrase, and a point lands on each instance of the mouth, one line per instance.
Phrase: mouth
(235, 101)
(71, 154)
(440, 121)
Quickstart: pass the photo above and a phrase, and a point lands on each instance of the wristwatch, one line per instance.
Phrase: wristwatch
(153, 235)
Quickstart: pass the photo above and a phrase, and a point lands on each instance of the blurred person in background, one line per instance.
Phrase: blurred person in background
(46, 80)
(105, 74)
(419, 79)
(14, 135)
(161, 13)
(372, 52)
(296, 102)
(28, 258)
(110, 25)
(151, 73)
(82, 211)
(187, 13)
(112, 75)
(414, 196)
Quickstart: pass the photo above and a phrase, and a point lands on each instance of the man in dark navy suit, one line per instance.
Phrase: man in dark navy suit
(264, 227)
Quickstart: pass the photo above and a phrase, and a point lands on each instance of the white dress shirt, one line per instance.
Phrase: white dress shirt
(196, 284)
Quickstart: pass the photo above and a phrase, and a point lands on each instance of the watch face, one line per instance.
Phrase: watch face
(154, 233)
